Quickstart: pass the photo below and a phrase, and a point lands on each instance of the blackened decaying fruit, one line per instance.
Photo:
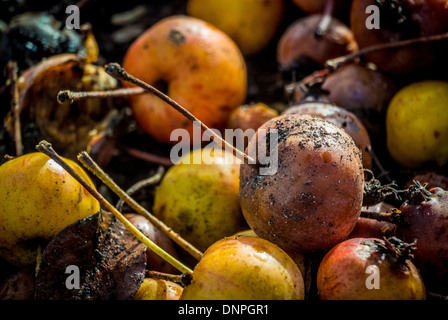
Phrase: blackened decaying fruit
(68, 126)
(110, 259)
(314, 199)
(424, 218)
(33, 37)
(400, 20)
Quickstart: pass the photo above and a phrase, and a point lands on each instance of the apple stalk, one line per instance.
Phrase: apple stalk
(46, 148)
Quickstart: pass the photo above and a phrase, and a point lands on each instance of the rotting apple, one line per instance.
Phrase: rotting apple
(39, 199)
(246, 119)
(369, 269)
(252, 24)
(424, 219)
(401, 20)
(364, 91)
(198, 66)
(314, 199)
(299, 46)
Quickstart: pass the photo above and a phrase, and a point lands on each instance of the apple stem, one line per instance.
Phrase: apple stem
(116, 71)
(391, 217)
(324, 23)
(46, 148)
(336, 63)
(90, 164)
(67, 95)
(149, 157)
(12, 70)
(333, 65)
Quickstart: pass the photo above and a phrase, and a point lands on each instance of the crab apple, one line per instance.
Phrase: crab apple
(245, 268)
(314, 199)
(39, 199)
(368, 269)
(425, 220)
(299, 45)
(252, 24)
(197, 65)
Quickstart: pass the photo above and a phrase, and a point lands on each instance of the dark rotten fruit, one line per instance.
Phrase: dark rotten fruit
(426, 221)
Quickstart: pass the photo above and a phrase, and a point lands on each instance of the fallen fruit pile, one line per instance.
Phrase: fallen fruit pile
(118, 179)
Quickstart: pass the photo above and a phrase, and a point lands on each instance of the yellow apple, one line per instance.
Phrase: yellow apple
(245, 268)
(417, 124)
(39, 199)
(200, 201)
(196, 64)
(252, 24)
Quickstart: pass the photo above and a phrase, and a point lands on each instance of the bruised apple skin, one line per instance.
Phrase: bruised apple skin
(245, 268)
(343, 273)
(200, 66)
(314, 199)
(39, 199)
(252, 24)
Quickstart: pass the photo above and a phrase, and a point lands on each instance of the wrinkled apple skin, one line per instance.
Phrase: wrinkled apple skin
(39, 199)
(203, 69)
(314, 199)
(245, 268)
(342, 274)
